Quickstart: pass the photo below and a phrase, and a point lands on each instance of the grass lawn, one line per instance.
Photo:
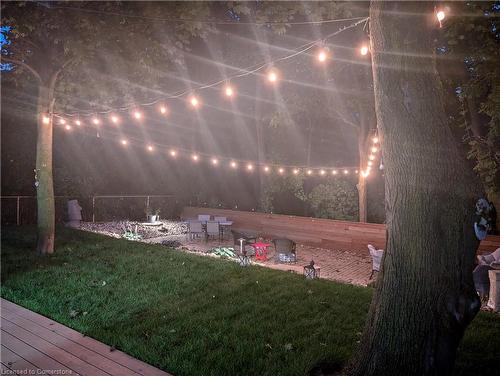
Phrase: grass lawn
(192, 315)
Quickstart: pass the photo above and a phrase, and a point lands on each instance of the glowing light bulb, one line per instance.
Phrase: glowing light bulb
(45, 119)
(281, 170)
(78, 122)
(363, 50)
(68, 127)
(322, 55)
(365, 173)
(371, 157)
(114, 119)
(440, 15)
(95, 121)
(346, 172)
(234, 164)
(163, 110)
(322, 172)
(249, 167)
(374, 149)
(334, 172)
(150, 148)
(295, 171)
(215, 161)
(195, 157)
(266, 169)
(173, 153)
(370, 163)
(124, 142)
(194, 102)
(356, 171)
(137, 115)
(229, 91)
(272, 77)
(309, 172)
(375, 140)
(62, 121)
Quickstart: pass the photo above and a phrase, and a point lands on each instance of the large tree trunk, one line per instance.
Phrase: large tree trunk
(45, 186)
(363, 145)
(425, 296)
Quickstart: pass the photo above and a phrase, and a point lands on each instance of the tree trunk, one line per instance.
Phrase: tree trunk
(425, 296)
(45, 185)
(363, 144)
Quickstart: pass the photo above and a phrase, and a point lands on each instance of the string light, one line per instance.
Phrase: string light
(124, 142)
(68, 127)
(272, 76)
(322, 172)
(173, 153)
(234, 164)
(281, 170)
(114, 119)
(374, 149)
(364, 50)
(309, 172)
(322, 55)
(137, 115)
(150, 148)
(371, 157)
(229, 91)
(365, 173)
(163, 110)
(215, 161)
(375, 140)
(334, 172)
(195, 157)
(194, 101)
(95, 121)
(346, 172)
(62, 121)
(78, 122)
(266, 168)
(295, 171)
(370, 163)
(440, 15)
(250, 167)
(45, 119)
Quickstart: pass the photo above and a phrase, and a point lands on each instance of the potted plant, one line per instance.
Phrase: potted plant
(152, 216)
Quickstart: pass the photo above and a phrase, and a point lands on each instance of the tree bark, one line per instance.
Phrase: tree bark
(425, 296)
(362, 186)
(45, 185)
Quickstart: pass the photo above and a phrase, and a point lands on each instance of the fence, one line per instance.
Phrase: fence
(325, 233)
(21, 210)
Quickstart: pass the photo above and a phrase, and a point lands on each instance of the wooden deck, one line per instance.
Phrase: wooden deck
(32, 344)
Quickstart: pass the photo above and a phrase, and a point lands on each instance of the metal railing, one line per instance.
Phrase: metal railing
(21, 209)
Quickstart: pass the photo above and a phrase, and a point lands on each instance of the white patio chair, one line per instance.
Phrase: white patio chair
(204, 217)
(213, 229)
(489, 258)
(195, 229)
(376, 255)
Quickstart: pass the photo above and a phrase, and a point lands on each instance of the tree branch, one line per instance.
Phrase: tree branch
(22, 64)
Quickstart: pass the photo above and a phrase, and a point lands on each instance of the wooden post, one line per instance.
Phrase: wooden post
(17, 212)
(93, 209)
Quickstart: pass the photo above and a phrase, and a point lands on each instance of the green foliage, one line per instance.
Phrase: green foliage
(276, 187)
(337, 199)
(474, 39)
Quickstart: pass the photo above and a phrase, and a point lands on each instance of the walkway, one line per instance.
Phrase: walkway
(35, 345)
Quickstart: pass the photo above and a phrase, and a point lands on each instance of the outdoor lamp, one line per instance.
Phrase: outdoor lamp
(311, 272)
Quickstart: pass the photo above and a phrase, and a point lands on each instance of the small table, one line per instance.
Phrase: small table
(260, 250)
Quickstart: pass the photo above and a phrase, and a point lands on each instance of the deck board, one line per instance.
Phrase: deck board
(46, 344)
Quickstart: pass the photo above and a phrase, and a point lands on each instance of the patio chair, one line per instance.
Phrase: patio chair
(195, 229)
(204, 217)
(213, 229)
(245, 244)
(376, 255)
(490, 258)
(482, 280)
(285, 250)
